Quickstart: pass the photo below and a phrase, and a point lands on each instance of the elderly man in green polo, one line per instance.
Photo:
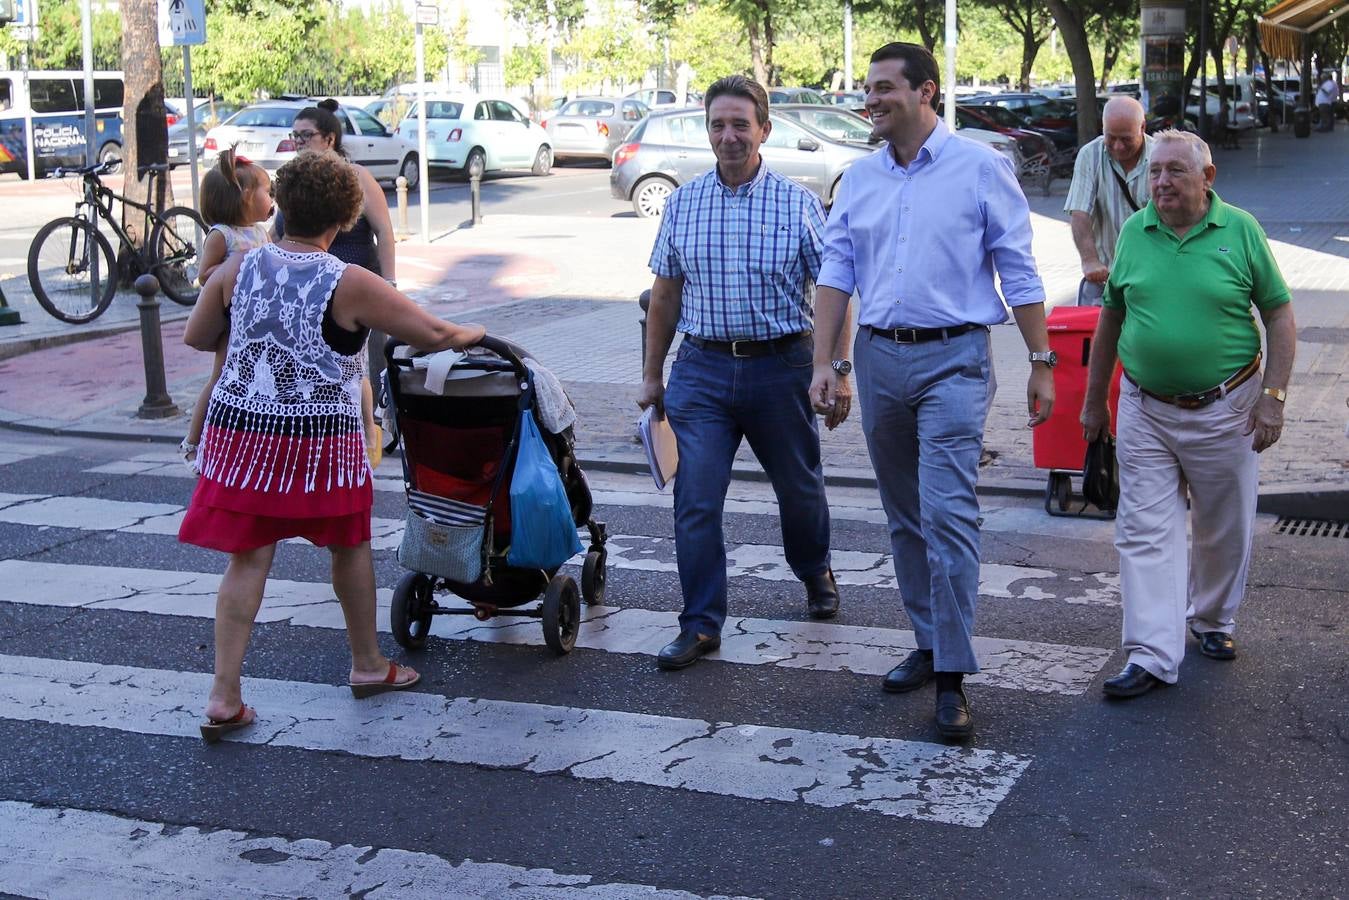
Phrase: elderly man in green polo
(1195, 408)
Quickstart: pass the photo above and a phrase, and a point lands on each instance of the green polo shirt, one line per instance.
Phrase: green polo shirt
(1188, 323)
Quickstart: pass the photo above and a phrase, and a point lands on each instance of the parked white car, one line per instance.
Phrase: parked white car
(262, 133)
(1243, 102)
(474, 134)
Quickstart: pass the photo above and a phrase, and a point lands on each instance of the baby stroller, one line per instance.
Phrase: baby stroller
(459, 447)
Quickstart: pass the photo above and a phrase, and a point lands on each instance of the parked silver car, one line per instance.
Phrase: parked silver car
(261, 132)
(669, 148)
(592, 127)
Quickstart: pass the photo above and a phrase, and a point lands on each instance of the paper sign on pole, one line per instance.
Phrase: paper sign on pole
(428, 14)
(182, 22)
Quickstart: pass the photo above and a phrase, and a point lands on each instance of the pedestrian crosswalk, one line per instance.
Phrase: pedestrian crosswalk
(766, 754)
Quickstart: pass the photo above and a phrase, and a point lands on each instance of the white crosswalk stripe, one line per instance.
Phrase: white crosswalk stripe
(651, 554)
(929, 782)
(62, 853)
(828, 647)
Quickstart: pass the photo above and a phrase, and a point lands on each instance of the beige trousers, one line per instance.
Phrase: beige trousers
(1161, 450)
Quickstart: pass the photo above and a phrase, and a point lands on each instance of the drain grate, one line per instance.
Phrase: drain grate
(1311, 528)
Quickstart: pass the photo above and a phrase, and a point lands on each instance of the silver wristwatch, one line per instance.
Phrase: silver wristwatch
(1048, 357)
(842, 366)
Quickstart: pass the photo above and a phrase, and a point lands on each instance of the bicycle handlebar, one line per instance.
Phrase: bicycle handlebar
(101, 168)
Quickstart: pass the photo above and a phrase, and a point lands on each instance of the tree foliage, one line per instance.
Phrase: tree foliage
(609, 52)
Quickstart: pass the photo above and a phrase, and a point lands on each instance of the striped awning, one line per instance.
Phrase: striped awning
(1283, 27)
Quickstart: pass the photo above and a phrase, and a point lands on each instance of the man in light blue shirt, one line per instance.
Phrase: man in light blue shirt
(736, 255)
(918, 230)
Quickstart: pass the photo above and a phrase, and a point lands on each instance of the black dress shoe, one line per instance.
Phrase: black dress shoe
(953, 714)
(822, 595)
(1215, 644)
(914, 672)
(684, 650)
(1132, 680)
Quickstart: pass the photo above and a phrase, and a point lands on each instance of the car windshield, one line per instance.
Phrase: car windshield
(1000, 116)
(264, 117)
(442, 109)
(837, 125)
(593, 108)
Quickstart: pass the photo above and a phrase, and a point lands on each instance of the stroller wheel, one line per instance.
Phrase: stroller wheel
(593, 577)
(410, 612)
(561, 614)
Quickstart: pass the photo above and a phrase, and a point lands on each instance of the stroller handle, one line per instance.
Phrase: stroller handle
(511, 353)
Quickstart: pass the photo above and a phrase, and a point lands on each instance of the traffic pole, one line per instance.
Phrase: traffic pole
(157, 403)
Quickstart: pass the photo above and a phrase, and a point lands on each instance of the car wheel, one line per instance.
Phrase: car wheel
(649, 198)
(476, 164)
(111, 153)
(543, 160)
(411, 171)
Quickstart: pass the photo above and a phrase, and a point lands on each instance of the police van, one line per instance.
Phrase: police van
(56, 100)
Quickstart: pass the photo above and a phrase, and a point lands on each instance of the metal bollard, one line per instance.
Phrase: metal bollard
(401, 188)
(644, 301)
(8, 315)
(475, 193)
(157, 404)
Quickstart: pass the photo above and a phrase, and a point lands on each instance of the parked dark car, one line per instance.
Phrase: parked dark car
(1029, 144)
(1008, 122)
(1057, 119)
(670, 147)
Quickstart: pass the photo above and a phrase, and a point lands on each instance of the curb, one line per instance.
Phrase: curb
(1322, 501)
(24, 346)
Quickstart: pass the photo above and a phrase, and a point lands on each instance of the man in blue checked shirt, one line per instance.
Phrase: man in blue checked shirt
(917, 230)
(735, 259)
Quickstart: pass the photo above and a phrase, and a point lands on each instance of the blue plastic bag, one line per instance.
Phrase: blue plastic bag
(543, 533)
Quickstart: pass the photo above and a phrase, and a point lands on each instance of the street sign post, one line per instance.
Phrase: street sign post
(182, 23)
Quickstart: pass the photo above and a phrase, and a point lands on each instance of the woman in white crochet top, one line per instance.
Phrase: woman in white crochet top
(283, 452)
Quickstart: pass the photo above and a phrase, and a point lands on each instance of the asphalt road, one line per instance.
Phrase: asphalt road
(775, 769)
(573, 189)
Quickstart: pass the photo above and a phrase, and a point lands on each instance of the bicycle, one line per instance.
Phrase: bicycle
(71, 266)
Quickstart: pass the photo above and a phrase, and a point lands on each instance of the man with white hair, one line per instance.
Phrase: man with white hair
(1325, 101)
(1110, 183)
(1194, 408)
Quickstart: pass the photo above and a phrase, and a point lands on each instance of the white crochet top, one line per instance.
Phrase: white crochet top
(297, 399)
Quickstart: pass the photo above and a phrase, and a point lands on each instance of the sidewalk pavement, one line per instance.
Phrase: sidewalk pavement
(566, 289)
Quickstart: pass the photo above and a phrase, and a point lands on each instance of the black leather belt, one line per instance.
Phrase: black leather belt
(919, 335)
(744, 349)
(1199, 401)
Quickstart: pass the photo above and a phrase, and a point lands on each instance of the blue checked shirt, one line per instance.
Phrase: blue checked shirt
(920, 245)
(749, 257)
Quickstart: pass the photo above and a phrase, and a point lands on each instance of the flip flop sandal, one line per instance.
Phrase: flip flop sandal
(361, 690)
(212, 730)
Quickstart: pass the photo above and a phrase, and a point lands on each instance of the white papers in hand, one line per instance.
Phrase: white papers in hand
(662, 454)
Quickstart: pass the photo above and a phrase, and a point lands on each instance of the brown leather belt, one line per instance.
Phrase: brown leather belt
(920, 335)
(745, 349)
(1199, 401)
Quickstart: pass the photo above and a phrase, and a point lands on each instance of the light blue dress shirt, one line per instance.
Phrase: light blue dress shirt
(920, 244)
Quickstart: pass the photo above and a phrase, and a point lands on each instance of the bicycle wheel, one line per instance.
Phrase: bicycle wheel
(72, 270)
(177, 240)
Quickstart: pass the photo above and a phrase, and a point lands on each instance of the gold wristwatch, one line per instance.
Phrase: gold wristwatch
(1277, 393)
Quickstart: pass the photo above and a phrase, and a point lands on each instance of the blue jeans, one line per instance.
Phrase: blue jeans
(713, 400)
(923, 411)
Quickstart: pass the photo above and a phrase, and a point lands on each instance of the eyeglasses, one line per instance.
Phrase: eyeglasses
(302, 137)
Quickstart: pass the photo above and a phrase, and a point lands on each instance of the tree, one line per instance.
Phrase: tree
(711, 41)
(608, 54)
(761, 19)
(1073, 19)
(922, 16)
(145, 135)
(1032, 23)
(524, 66)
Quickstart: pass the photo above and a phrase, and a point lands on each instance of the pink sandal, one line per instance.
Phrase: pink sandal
(361, 690)
(212, 730)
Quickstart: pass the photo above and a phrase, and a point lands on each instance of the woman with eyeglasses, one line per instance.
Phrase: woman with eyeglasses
(368, 244)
